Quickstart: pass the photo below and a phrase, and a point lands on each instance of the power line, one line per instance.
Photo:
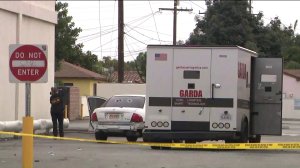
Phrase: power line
(135, 39)
(85, 39)
(128, 49)
(136, 27)
(175, 10)
(113, 22)
(141, 18)
(105, 32)
(146, 36)
(92, 28)
(105, 44)
(100, 39)
(197, 5)
(154, 21)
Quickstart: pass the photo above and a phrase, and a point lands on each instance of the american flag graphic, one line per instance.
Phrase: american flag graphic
(161, 57)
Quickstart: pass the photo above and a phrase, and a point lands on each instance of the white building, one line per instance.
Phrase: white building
(26, 22)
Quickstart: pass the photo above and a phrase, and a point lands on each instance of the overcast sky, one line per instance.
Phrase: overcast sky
(144, 24)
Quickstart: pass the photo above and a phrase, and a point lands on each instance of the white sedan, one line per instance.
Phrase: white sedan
(121, 115)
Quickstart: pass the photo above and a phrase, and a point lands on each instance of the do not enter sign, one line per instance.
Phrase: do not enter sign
(28, 63)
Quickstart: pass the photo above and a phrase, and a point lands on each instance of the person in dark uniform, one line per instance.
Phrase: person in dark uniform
(57, 111)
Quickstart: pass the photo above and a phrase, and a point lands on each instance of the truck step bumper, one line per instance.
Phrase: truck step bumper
(166, 136)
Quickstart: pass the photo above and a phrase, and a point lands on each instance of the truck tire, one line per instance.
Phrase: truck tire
(255, 139)
(131, 138)
(244, 133)
(99, 135)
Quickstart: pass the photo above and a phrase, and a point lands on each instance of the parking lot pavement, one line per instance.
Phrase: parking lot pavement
(50, 153)
(64, 153)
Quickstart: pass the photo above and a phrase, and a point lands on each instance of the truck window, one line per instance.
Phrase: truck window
(191, 74)
(268, 78)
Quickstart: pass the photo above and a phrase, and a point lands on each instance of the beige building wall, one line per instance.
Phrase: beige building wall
(86, 86)
(26, 22)
(291, 93)
(291, 87)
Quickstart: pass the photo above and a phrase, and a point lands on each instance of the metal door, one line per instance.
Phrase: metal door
(191, 85)
(224, 89)
(266, 96)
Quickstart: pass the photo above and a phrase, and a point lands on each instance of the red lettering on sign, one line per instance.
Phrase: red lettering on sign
(190, 93)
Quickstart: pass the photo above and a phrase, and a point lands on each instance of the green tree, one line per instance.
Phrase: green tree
(231, 23)
(65, 37)
(225, 23)
(90, 62)
(275, 39)
(292, 54)
(109, 63)
(140, 64)
(129, 66)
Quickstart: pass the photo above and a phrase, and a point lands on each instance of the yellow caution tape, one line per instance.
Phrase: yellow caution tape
(239, 146)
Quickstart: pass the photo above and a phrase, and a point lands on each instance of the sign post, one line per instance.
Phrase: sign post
(28, 64)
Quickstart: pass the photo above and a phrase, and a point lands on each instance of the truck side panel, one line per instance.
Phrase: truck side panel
(243, 88)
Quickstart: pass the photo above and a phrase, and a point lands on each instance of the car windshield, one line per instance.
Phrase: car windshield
(125, 101)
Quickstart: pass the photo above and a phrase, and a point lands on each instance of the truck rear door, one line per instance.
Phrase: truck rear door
(266, 90)
(191, 87)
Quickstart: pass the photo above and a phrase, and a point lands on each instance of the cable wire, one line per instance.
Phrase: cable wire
(135, 38)
(100, 39)
(197, 5)
(154, 21)
(147, 36)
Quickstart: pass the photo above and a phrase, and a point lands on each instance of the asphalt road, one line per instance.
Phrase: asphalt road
(49, 153)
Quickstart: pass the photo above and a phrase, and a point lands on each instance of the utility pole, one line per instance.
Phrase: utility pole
(120, 41)
(250, 3)
(176, 2)
(175, 22)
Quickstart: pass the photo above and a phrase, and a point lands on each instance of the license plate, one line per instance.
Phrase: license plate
(113, 116)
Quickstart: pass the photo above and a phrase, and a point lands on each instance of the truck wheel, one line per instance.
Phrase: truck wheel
(132, 138)
(255, 139)
(244, 133)
(100, 136)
